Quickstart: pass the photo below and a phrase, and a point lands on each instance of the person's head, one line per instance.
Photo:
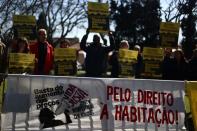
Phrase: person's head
(64, 44)
(178, 55)
(22, 45)
(42, 35)
(124, 44)
(96, 39)
(137, 48)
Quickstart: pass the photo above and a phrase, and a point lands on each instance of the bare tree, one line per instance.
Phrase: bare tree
(62, 16)
(171, 12)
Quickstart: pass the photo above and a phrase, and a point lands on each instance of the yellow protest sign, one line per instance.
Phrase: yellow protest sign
(153, 53)
(21, 62)
(98, 17)
(25, 26)
(128, 55)
(191, 90)
(24, 20)
(169, 33)
(152, 69)
(126, 60)
(98, 8)
(65, 61)
(61, 54)
(169, 27)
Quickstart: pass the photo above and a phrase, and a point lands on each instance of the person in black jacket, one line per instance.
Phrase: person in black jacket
(193, 66)
(96, 55)
(180, 66)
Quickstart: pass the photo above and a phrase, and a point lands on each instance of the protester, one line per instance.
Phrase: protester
(44, 54)
(167, 65)
(193, 66)
(180, 67)
(138, 66)
(113, 60)
(69, 66)
(95, 55)
(21, 46)
(65, 44)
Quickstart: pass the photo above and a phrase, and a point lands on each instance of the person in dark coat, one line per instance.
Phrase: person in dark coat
(180, 66)
(193, 66)
(139, 65)
(96, 54)
(167, 65)
(113, 60)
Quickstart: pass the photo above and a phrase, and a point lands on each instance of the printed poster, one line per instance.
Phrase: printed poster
(152, 58)
(25, 26)
(127, 59)
(98, 17)
(65, 61)
(169, 33)
(21, 63)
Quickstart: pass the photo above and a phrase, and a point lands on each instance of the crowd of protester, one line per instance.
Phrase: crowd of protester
(99, 57)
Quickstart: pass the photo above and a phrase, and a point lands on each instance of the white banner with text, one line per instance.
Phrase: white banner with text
(52, 103)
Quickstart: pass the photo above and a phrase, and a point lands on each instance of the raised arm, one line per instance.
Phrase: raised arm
(83, 41)
(111, 42)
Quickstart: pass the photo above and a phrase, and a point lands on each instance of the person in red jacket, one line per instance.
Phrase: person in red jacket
(44, 54)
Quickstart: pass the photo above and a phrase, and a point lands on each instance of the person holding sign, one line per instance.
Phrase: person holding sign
(113, 60)
(123, 61)
(21, 46)
(95, 55)
(20, 59)
(193, 66)
(44, 54)
(65, 59)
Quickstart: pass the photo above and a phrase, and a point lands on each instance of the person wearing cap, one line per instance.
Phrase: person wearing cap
(44, 54)
(96, 54)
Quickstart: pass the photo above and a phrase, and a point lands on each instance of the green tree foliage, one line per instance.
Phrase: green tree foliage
(188, 26)
(136, 21)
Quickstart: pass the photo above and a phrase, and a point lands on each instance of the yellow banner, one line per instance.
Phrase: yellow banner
(169, 40)
(169, 27)
(98, 17)
(153, 53)
(62, 54)
(21, 62)
(98, 8)
(128, 55)
(24, 20)
(152, 69)
(191, 90)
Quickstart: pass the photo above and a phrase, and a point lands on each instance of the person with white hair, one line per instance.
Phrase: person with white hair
(44, 54)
